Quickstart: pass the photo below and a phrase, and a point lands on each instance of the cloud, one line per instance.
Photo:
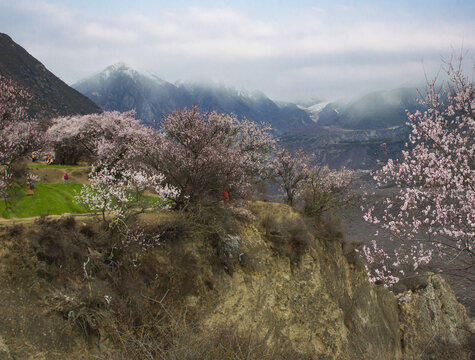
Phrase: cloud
(308, 53)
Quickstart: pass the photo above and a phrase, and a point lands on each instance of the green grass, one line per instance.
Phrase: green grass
(53, 166)
(49, 199)
(53, 199)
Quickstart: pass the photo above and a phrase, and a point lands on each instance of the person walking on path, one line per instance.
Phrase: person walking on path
(66, 176)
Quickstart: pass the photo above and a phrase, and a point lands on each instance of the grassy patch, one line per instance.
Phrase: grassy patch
(49, 199)
(54, 166)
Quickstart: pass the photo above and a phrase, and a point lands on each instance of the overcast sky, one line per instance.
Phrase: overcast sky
(288, 49)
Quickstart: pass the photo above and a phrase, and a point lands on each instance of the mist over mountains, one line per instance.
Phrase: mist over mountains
(377, 110)
(121, 88)
(349, 133)
(345, 133)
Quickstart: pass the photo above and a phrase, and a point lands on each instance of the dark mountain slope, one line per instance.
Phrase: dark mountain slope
(51, 96)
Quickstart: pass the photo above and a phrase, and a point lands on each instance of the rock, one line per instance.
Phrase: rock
(231, 245)
(433, 314)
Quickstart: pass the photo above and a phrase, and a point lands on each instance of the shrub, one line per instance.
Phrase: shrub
(290, 236)
(326, 190)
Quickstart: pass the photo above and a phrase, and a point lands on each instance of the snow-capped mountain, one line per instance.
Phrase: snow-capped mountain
(119, 87)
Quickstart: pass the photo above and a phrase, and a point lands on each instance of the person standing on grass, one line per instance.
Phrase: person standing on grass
(30, 187)
(66, 176)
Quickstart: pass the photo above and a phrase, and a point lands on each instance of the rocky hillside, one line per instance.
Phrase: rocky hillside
(259, 283)
(121, 88)
(354, 149)
(50, 95)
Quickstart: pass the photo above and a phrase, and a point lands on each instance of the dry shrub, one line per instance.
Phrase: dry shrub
(329, 229)
(350, 246)
(18, 170)
(219, 226)
(180, 277)
(55, 249)
(63, 248)
(412, 282)
(290, 236)
(85, 305)
(242, 213)
(19, 264)
(15, 230)
(441, 348)
(174, 228)
(182, 340)
(55, 241)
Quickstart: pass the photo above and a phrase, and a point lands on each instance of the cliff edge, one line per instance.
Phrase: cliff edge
(264, 284)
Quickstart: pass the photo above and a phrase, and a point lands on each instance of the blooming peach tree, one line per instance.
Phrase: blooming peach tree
(115, 192)
(325, 189)
(433, 214)
(204, 154)
(19, 135)
(290, 171)
(105, 194)
(110, 138)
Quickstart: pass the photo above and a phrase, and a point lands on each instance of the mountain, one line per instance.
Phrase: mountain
(313, 108)
(377, 110)
(350, 132)
(342, 133)
(121, 88)
(50, 95)
(255, 106)
(354, 149)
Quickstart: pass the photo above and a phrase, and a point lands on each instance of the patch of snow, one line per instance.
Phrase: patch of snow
(155, 78)
(314, 109)
(108, 71)
(318, 107)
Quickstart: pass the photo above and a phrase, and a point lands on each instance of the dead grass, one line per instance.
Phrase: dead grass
(150, 304)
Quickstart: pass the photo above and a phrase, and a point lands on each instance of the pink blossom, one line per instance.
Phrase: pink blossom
(435, 207)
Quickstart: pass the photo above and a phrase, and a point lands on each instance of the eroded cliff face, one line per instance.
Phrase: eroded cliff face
(322, 305)
(326, 307)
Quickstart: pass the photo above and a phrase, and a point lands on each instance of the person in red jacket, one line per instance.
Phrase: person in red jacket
(225, 196)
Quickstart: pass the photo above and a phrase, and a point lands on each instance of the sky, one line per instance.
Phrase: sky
(291, 50)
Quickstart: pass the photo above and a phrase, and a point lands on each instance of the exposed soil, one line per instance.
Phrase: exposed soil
(56, 176)
(22, 318)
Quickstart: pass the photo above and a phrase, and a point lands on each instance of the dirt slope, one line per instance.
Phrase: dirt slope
(319, 305)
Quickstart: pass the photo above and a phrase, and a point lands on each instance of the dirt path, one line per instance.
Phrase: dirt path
(55, 176)
(25, 221)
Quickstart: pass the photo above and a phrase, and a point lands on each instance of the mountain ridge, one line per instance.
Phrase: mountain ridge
(375, 110)
(50, 95)
(119, 87)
